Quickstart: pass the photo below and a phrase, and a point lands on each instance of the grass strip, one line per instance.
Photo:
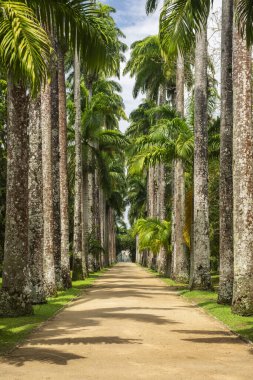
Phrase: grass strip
(207, 300)
(15, 330)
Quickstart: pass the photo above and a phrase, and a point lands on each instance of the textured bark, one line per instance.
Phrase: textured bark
(200, 276)
(85, 216)
(97, 219)
(242, 179)
(152, 209)
(111, 236)
(138, 253)
(48, 255)
(56, 176)
(104, 231)
(226, 164)
(91, 227)
(65, 264)
(151, 192)
(162, 258)
(180, 265)
(77, 252)
(35, 204)
(15, 295)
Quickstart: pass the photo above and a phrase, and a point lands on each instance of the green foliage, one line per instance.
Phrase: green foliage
(153, 234)
(169, 137)
(180, 20)
(136, 197)
(25, 48)
(150, 68)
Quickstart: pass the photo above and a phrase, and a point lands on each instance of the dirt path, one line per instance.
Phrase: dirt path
(130, 326)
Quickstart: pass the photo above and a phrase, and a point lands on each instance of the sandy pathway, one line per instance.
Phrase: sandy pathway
(130, 326)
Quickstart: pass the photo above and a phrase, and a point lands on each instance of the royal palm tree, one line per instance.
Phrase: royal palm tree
(169, 139)
(109, 66)
(242, 178)
(17, 23)
(226, 157)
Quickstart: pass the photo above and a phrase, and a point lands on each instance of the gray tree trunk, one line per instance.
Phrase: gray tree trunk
(77, 249)
(200, 275)
(35, 204)
(65, 264)
(56, 176)
(85, 215)
(46, 128)
(15, 295)
(243, 179)
(111, 236)
(180, 271)
(180, 265)
(162, 259)
(152, 191)
(225, 293)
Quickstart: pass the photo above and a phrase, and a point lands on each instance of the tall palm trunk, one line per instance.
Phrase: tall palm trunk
(97, 219)
(226, 164)
(78, 254)
(85, 214)
(35, 205)
(243, 179)
(180, 267)
(90, 213)
(200, 274)
(163, 258)
(48, 251)
(103, 237)
(15, 294)
(163, 262)
(65, 265)
(111, 235)
(152, 191)
(56, 177)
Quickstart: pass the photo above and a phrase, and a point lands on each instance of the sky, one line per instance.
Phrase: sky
(131, 18)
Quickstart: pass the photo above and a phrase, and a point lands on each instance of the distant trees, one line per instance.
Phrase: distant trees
(37, 252)
(182, 27)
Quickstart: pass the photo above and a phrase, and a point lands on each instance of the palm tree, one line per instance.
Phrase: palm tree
(19, 27)
(200, 267)
(156, 77)
(170, 139)
(226, 158)
(150, 69)
(56, 172)
(242, 177)
(110, 66)
(78, 272)
(35, 204)
(48, 247)
(65, 273)
(153, 234)
(179, 21)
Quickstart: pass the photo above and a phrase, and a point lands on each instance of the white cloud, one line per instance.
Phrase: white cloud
(136, 25)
